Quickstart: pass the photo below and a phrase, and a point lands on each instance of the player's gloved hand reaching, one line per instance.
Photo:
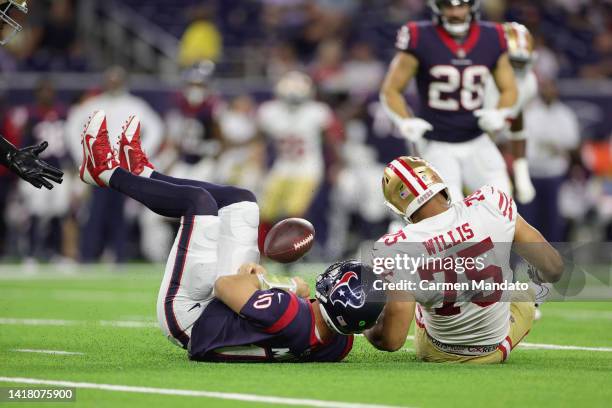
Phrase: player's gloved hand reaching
(413, 129)
(492, 121)
(27, 165)
(525, 192)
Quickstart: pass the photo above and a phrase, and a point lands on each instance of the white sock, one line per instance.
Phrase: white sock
(146, 172)
(238, 236)
(105, 176)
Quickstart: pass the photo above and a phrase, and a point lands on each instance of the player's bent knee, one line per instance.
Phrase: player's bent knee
(238, 195)
(201, 202)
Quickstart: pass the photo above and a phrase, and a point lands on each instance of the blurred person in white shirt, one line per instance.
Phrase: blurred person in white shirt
(554, 134)
(242, 161)
(103, 220)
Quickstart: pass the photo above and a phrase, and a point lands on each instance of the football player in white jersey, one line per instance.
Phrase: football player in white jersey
(473, 325)
(296, 124)
(521, 53)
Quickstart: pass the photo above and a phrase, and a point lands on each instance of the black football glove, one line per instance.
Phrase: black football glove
(27, 165)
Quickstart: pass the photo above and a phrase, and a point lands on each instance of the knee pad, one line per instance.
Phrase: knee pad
(238, 236)
(240, 221)
(202, 202)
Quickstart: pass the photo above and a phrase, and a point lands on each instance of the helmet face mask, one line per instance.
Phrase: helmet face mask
(6, 8)
(345, 292)
(454, 28)
(294, 88)
(196, 80)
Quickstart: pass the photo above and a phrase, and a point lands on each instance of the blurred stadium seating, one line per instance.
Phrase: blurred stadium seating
(59, 60)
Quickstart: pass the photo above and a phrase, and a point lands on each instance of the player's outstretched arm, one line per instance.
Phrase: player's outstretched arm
(391, 329)
(27, 165)
(236, 290)
(493, 121)
(402, 69)
(535, 249)
(525, 192)
(506, 83)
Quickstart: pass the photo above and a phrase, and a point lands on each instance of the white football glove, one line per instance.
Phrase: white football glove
(492, 120)
(413, 129)
(525, 192)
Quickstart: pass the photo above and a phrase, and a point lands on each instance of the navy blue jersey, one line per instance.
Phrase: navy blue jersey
(451, 76)
(273, 326)
(195, 128)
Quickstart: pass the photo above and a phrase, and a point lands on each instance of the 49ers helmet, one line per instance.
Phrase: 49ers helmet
(294, 88)
(410, 182)
(520, 43)
(6, 21)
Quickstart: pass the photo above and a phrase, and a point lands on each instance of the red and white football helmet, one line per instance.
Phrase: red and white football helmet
(8, 26)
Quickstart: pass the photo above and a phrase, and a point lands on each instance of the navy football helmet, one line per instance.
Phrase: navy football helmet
(346, 297)
(455, 29)
(6, 20)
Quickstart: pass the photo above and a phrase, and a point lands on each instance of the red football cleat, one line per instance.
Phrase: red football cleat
(98, 157)
(131, 156)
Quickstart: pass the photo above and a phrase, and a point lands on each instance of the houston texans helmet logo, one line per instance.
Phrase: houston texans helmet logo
(343, 293)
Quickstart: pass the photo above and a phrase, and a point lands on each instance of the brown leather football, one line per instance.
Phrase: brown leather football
(289, 240)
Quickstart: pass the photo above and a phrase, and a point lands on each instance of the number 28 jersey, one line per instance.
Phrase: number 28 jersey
(480, 231)
(451, 76)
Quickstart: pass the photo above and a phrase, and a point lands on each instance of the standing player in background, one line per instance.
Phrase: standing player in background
(521, 53)
(105, 222)
(297, 126)
(23, 162)
(45, 120)
(191, 148)
(452, 59)
(193, 126)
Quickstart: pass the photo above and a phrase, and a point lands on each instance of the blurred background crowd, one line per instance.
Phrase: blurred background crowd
(202, 75)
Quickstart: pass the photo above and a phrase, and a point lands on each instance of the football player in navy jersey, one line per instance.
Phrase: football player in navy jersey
(451, 59)
(24, 162)
(215, 300)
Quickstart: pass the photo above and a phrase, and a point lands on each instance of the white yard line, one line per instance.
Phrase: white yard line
(58, 322)
(543, 346)
(562, 347)
(139, 324)
(196, 393)
(59, 352)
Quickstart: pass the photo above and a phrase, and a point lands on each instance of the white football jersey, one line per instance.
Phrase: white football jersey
(297, 133)
(480, 228)
(527, 85)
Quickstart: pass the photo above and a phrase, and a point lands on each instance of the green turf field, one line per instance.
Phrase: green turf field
(109, 317)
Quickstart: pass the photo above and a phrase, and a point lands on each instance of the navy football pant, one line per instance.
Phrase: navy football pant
(173, 197)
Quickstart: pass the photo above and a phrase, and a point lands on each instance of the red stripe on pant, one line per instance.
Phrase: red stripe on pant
(175, 281)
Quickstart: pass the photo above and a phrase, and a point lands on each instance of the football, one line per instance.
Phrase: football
(289, 240)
